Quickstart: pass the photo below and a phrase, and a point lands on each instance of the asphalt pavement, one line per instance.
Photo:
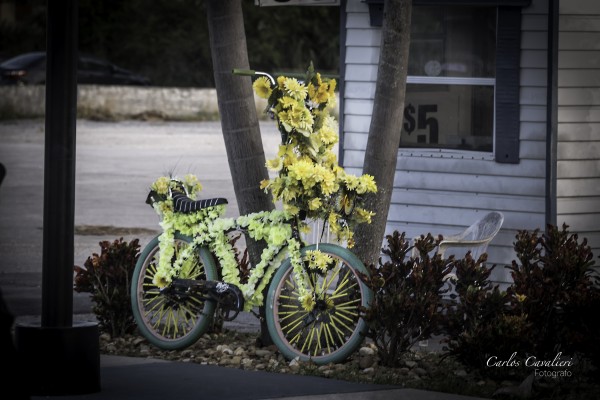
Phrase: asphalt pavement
(115, 164)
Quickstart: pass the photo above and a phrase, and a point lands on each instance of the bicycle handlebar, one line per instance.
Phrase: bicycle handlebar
(244, 72)
(251, 72)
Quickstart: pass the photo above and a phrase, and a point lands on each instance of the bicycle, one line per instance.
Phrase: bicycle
(315, 293)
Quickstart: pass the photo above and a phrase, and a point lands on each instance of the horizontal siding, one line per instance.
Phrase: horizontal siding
(578, 59)
(578, 205)
(579, 23)
(501, 185)
(585, 187)
(583, 7)
(578, 168)
(578, 131)
(470, 201)
(584, 150)
(535, 77)
(589, 96)
(579, 114)
(579, 78)
(578, 151)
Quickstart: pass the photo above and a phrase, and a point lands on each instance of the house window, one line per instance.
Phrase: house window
(449, 101)
(505, 75)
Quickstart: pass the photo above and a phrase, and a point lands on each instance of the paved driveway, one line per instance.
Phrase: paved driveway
(116, 163)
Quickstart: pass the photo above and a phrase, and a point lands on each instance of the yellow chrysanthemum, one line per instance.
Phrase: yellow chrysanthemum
(294, 88)
(314, 204)
(317, 260)
(366, 184)
(288, 102)
(363, 216)
(301, 170)
(275, 164)
(308, 303)
(192, 183)
(291, 209)
(280, 81)
(262, 87)
(161, 185)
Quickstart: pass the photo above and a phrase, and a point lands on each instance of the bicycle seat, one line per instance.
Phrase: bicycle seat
(183, 204)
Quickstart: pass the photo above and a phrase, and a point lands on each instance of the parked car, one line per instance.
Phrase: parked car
(30, 69)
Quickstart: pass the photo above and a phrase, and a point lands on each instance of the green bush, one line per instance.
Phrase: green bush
(549, 308)
(407, 304)
(556, 288)
(107, 276)
(479, 324)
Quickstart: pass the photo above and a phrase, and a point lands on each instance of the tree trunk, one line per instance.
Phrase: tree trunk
(237, 110)
(386, 122)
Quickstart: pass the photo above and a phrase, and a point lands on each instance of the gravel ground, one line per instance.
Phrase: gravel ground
(420, 369)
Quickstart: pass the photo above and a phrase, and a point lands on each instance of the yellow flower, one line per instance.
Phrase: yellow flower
(280, 81)
(294, 88)
(192, 183)
(521, 298)
(160, 280)
(366, 184)
(262, 87)
(286, 152)
(308, 303)
(161, 185)
(328, 182)
(317, 260)
(265, 183)
(314, 204)
(288, 102)
(301, 170)
(291, 209)
(363, 216)
(275, 164)
(298, 118)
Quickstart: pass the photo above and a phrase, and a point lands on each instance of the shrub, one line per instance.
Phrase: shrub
(107, 277)
(479, 324)
(407, 304)
(549, 307)
(556, 288)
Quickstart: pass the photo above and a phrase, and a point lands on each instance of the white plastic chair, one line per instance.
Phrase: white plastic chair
(476, 237)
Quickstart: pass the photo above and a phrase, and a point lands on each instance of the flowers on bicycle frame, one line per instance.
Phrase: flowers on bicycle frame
(309, 180)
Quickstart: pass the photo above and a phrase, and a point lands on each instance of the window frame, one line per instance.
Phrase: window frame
(507, 83)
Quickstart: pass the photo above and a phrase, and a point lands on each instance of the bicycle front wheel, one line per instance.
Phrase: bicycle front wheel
(169, 319)
(329, 328)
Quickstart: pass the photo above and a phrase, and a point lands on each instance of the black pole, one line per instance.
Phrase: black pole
(59, 164)
(552, 112)
(62, 358)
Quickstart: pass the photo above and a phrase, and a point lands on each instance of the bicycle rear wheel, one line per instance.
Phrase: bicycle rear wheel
(333, 329)
(170, 319)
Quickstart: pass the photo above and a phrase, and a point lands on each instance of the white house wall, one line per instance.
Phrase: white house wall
(578, 168)
(443, 193)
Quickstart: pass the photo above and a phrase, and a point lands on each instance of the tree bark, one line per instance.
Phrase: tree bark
(386, 122)
(239, 120)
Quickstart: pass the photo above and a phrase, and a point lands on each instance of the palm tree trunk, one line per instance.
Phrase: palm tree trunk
(239, 121)
(384, 132)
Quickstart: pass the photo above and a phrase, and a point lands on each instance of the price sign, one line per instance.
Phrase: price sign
(422, 118)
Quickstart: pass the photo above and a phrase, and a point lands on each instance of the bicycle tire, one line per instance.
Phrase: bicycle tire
(335, 330)
(171, 322)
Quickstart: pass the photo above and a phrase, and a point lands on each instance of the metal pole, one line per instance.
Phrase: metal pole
(552, 113)
(59, 164)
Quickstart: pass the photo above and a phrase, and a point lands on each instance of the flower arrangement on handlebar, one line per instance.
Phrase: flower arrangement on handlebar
(310, 183)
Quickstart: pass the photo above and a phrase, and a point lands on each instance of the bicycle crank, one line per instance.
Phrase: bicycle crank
(229, 297)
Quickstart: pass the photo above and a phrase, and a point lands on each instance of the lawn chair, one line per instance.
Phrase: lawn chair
(475, 238)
